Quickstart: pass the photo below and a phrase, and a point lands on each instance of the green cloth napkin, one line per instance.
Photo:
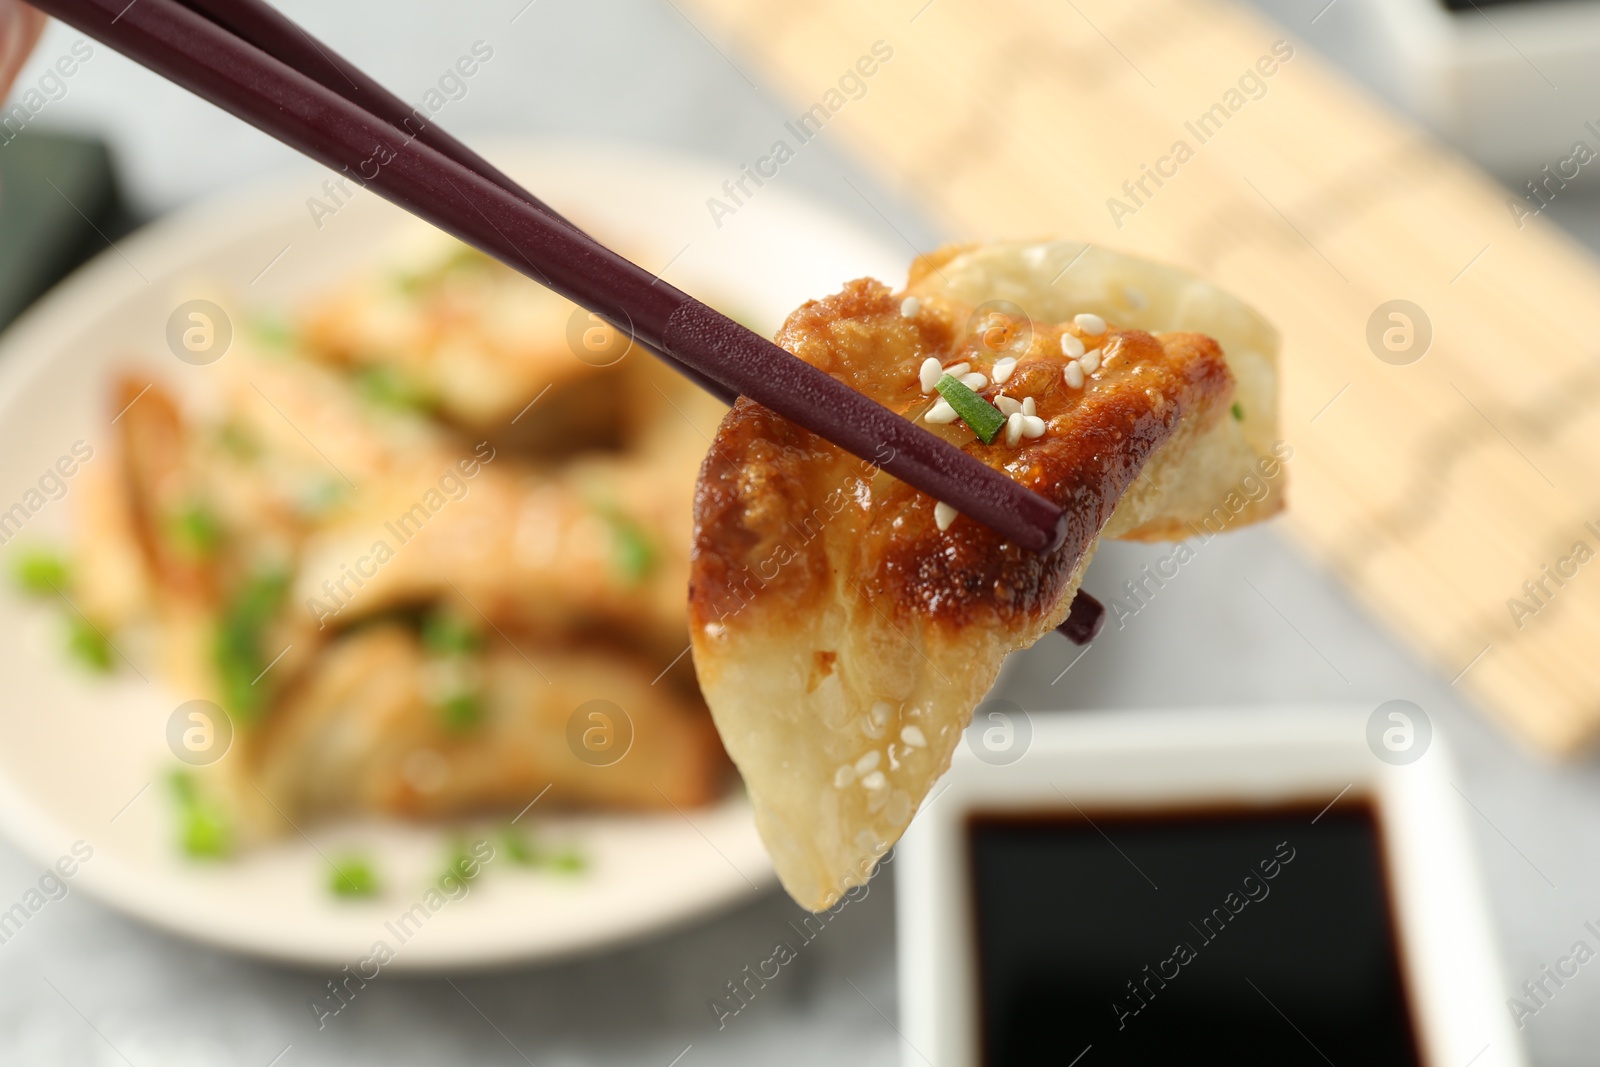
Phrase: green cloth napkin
(59, 205)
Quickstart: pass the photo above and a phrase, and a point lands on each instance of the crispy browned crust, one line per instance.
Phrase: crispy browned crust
(152, 440)
(768, 487)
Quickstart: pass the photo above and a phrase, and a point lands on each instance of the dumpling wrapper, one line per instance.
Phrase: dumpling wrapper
(840, 637)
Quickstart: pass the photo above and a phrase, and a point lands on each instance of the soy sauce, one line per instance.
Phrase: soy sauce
(1194, 936)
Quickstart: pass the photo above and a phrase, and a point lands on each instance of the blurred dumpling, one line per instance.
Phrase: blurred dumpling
(404, 540)
(384, 723)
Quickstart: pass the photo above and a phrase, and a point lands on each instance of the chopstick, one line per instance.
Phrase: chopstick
(187, 48)
(262, 68)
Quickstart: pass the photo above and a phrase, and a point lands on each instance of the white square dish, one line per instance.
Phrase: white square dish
(1155, 762)
(1509, 84)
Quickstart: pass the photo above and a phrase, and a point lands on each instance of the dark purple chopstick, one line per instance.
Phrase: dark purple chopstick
(319, 105)
(1084, 619)
(269, 30)
(183, 46)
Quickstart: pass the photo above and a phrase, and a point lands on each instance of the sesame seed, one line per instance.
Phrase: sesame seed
(1032, 426)
(1007, 405)
(909, 307)
(1027, 406)
(867, 762)
(974, 380)
(880, 712)
(941, 413)
(1071, 347)
(957, 370)
(943, 515)
(912, 735)
(1091, 360)
(843, 776)
(1073, 374)
(1014, 428)
(1003, 368)
(929, 373)
(1090, 324)
(875, 781)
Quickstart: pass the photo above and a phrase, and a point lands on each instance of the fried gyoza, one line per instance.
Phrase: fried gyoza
(241, 528)
(590, 546)
(361, 732)
(844, 625)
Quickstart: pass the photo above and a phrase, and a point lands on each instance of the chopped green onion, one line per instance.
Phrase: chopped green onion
(353, 876)
(448, 634)
(521, 850)
(271, 331)
(237, 441)
(451, 639)
(463, 258)
(1238, 411)
(42, 572)
(984, 418)
(393, 388)
(203, 829)
(461, 711)
(205, 835)
(89, 646)
(525, 851)
(184, 788)
(568, 861)
(194, 531)
(633, 553)
(237, 652)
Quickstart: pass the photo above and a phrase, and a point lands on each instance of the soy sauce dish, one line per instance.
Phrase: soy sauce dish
(1198, 887)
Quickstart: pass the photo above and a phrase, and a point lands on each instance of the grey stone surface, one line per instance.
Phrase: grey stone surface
(1247, 621)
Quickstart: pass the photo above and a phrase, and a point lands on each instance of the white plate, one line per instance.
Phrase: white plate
(85, 760)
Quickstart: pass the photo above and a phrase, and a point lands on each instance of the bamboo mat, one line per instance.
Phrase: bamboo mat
(1435, 489)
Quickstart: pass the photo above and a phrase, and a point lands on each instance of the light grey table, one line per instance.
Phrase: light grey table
(1248, 621)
